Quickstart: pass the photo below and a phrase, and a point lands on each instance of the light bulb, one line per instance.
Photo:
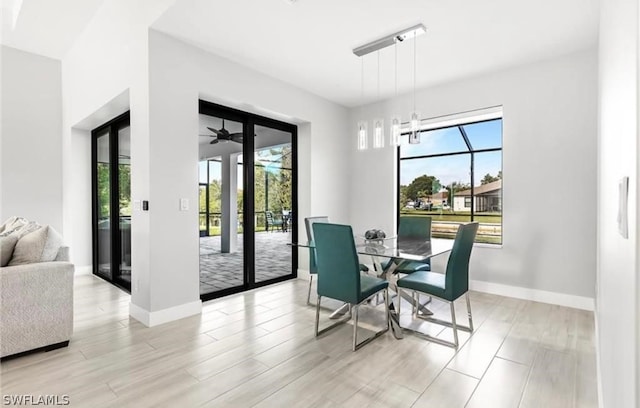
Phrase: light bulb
(414, 121)
(362, 135)
(378, 134)
(395, 131)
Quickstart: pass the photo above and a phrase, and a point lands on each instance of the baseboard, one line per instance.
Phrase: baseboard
(159, 317)
(84, 270)
(554, 298)
(598, 365)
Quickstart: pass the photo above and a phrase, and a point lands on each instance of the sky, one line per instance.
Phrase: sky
(449, 169)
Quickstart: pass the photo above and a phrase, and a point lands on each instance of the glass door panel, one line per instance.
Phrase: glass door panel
(273, 195)
(111, 161)
(103, 204)
(124, 203)
(222, 268)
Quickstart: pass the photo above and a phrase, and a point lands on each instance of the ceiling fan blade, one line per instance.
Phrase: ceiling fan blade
(216, 131)
(207, 135)
(214, 141)
(236, 137)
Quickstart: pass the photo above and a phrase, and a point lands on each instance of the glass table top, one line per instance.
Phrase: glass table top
(394, 247)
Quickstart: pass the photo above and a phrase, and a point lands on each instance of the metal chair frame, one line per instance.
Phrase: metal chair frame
(353, 313)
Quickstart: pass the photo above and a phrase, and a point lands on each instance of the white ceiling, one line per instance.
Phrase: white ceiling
(309, 43)
(46, 27)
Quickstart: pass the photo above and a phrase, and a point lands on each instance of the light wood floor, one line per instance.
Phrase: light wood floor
(258, 349)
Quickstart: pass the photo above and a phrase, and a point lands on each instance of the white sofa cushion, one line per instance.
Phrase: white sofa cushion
(41, 245)
(7, 244)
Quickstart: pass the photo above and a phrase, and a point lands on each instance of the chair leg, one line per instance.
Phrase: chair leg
(469, 311)
(414, 308)
(453, 324)
(399, 295)
(317, 314)
(355, 326)
(386, 307)
(309, 293)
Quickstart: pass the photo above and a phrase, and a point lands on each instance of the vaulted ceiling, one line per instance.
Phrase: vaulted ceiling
(309, 43)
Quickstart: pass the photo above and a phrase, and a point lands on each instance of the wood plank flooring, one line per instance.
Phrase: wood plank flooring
(257, 350)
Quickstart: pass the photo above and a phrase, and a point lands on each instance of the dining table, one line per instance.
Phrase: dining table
(398, 250)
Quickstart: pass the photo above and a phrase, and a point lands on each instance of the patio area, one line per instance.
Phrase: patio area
(223, 270)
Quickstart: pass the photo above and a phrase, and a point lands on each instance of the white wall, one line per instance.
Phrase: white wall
(617, 290)
(179, 75)
(108, 61)
(31, 137)
(549, 148)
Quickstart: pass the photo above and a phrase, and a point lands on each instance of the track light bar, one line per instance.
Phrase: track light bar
(390, 40)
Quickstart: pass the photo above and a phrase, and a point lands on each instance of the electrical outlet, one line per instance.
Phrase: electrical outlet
(184, 204)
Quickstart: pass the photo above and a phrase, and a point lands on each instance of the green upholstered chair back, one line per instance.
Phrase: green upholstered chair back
(338, 266)
(414, 228)
(308, 222)
(457, 278)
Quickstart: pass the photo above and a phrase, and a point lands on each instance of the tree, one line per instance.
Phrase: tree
(488, 178)
(421, 186)
(459, 186)
(404, 199)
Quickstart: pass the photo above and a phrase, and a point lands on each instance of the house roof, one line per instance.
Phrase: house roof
(482, 189)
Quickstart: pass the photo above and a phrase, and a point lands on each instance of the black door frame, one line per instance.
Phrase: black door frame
(249, 121)
(113, 126)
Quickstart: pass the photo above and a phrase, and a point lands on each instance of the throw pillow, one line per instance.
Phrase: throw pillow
(7, 244)
(12, 225)
(52, 246)
(29, 248)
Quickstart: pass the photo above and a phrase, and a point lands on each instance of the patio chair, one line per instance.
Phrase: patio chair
(272, 222)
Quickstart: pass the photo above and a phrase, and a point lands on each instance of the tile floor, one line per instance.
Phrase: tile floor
(257, 349)
(221, 271)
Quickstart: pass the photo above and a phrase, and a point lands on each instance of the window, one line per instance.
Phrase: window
(455, 176)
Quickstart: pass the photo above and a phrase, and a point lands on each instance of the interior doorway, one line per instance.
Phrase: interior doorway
(248, 200)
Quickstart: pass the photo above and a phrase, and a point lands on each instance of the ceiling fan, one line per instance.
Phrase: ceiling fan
(224, 135)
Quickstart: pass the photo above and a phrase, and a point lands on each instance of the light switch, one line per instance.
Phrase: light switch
(184, 204)
(136, 205)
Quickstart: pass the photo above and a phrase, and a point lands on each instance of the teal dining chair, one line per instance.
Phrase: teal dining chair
(448, 286)
(339, 277)
(313, 267)
(412, 229)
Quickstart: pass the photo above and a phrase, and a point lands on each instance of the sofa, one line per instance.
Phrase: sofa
(36, 303)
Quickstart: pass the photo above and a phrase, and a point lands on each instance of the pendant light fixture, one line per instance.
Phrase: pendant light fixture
(378, 124)
(396, 123)
(362, 125)
(414, 117)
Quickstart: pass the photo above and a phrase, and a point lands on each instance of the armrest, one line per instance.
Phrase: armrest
(30, 283)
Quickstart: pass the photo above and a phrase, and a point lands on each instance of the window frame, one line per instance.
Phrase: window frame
(459, 123)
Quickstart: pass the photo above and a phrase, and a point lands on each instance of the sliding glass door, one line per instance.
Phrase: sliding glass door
(111, 174)
(248, 200)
